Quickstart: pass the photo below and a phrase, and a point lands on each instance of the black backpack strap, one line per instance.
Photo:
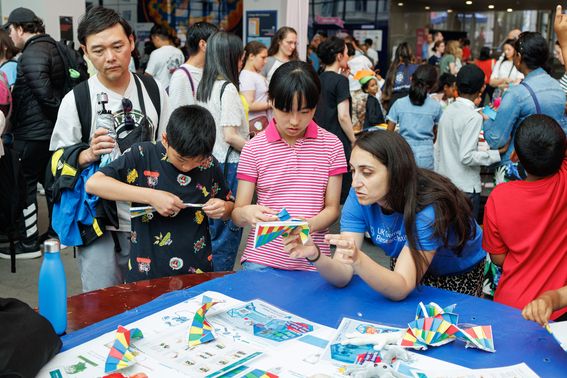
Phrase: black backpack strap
(189, 77)
(230, 149)
(153, 91)
(84, 109)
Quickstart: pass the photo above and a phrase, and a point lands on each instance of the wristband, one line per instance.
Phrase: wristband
(311, 261)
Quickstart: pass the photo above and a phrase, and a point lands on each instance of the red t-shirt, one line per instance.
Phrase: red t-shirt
(486, 66)
(527, 221)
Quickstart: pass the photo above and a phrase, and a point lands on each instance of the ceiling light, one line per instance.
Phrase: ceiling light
(491, 6)
(509, 10)
(400, 4)
(449, 10)
(468, 2)
(427, 7)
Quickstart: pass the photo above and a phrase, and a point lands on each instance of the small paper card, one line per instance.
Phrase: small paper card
(268, 231)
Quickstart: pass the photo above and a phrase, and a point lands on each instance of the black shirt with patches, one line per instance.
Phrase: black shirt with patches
(167, 246)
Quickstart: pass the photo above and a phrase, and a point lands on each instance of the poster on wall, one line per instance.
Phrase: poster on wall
(261, 26)
(66, 28)
(374, 35)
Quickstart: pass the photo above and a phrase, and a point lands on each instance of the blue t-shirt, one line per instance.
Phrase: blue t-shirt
(415, 122)
(388, 232)
(10, 69)
(402, 79)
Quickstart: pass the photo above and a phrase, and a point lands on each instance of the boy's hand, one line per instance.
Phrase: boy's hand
(165, 203)
(539, 310)
(346, 251)
(253, 214)
(297, 250)
(215, 208)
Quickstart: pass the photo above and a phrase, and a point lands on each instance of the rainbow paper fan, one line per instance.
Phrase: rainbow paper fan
(120, 355)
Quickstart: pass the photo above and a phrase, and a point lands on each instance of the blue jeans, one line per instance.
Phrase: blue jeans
(255, 267)
(225, 235)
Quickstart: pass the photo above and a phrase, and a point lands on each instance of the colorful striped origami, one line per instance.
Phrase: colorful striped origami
(268, 231)
(201, 331)
(120, 355)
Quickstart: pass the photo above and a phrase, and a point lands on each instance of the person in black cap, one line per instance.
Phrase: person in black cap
(36, 97)
(458, 155)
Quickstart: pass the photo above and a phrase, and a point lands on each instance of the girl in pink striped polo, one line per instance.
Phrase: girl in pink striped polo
(294, 164)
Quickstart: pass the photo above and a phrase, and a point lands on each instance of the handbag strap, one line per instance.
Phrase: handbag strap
(190, 79)
(230, 149)
(534, 98)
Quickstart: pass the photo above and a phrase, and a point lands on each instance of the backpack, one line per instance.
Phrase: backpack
(5, 96)
(76, 70)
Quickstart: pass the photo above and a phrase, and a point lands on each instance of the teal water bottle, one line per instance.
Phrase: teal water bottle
(53, 287)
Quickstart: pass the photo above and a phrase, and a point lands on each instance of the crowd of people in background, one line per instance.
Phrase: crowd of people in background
(226, 135)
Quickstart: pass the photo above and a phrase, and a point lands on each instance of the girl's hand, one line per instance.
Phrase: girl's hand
(539, 310)
(253, 214)
(214, 208)
(346, 251)
(165, 203)
(296, 249)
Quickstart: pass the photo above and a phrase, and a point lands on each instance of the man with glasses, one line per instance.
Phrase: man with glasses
(36, 95)
(106, 39)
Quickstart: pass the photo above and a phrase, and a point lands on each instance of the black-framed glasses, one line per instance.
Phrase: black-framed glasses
(127, 107)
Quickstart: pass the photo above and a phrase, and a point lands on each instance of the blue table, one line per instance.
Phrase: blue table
(308, 295)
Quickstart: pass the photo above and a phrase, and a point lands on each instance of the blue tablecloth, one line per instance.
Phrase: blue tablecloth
(308, 295)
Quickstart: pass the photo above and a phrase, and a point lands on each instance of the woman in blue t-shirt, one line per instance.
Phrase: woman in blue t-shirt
(418, 217)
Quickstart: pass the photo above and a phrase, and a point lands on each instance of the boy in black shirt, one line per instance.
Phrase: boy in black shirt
(165, 175)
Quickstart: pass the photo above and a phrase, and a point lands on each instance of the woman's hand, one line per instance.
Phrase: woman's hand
(253, 214)
(346, 251)
(297, 250)
(165, 203)
(215, 208)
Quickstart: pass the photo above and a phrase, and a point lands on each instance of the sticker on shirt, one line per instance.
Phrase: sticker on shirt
(163, 240)
(199, 244)
(129, 264)
(133, 237)
(215, 189)
(175, 263)
(141, 150)
(146, 218)
(183, 180)
(194, 270)
(143, 264)
(132, 176)
(206, 164)
(199, 217)
(152, 178)
(203, 189)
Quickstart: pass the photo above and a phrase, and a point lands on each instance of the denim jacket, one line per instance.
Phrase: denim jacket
(517, 104)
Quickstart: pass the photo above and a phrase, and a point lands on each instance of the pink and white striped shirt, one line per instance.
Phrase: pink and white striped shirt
(290, 176)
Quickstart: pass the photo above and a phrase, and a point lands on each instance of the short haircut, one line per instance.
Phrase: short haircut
(191, 131)
(368, 41)
(197, 32)
(98, 19)
(33, 27)
(533, 50)
(470, 79)
(294, 79)
(540, 144)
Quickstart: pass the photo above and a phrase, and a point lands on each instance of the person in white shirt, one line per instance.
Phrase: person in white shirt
(504, 72)
(457, 152)
(165, 58)
(254, 86)
(372, 54)
(185, 80)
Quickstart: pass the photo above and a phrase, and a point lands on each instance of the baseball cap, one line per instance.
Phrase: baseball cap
(470, 79)
(20, 16)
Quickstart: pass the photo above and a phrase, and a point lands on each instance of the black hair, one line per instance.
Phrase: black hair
(484, 53)
(445, 79)
(7, 48)
(466, 42)
(197, 32)
(280, 36)
(422, 81)
(191, 131)
(533, 50)
(368, 41)
(328, 50)
(402, 56)
(98, 19)
(351, 51)
(540, 144)
(412, 189)
(224, 51)
(295, 79)
(161, 31)
(253, 48)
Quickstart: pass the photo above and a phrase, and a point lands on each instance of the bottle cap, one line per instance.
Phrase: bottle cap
(51, 246)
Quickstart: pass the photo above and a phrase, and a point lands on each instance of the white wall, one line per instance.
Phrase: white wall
(49, 11)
